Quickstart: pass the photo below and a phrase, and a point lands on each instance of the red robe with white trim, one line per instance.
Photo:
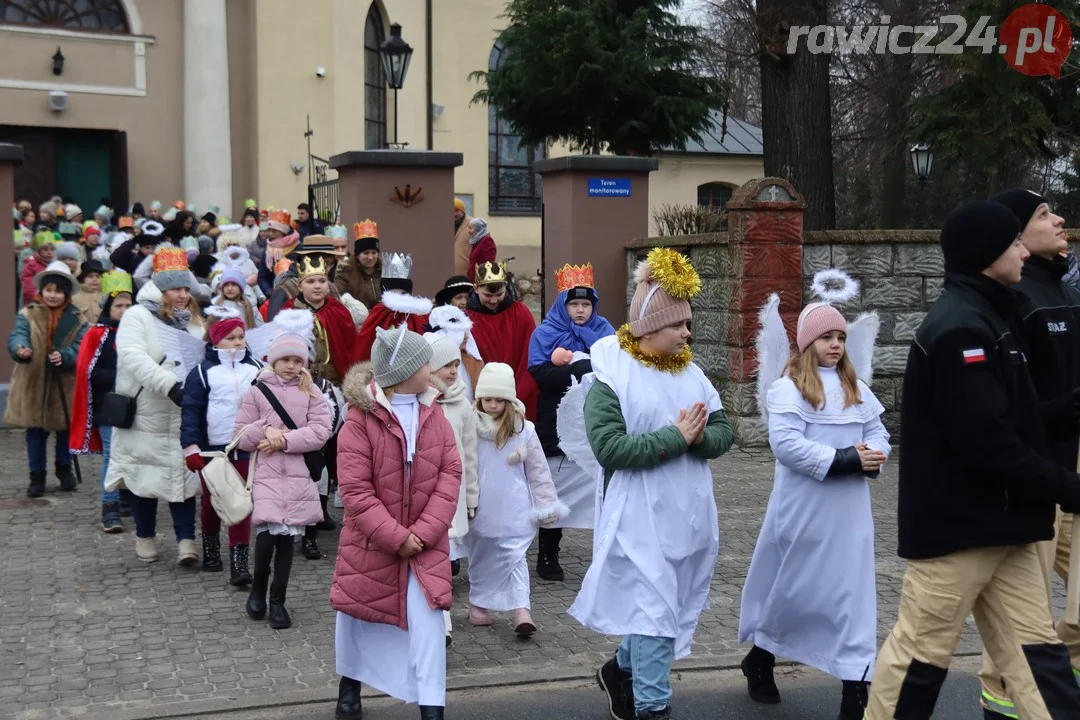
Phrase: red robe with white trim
(83, 436)
(504, 336)
(392, 310)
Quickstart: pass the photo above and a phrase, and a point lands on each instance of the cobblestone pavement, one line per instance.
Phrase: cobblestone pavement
(88, 630)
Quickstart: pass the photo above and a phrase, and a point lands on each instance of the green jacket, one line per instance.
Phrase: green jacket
(616, 450)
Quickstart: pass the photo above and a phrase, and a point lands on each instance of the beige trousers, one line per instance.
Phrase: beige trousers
(1054, 557)
(1005, 589)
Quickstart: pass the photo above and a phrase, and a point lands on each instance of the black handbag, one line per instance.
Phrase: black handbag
(315, 460)
(117, 410)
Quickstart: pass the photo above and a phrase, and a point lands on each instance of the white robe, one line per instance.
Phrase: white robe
(656, 537)
(810, 593)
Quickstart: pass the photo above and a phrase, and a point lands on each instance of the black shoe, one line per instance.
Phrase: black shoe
(327, 522)
(854, 700)
(655, 714)
(110, 518)
(431, 712)
(455, 568)
(757, 666)
(66, 477)
(279, 616)
(125, 503)
(309, 548)
(547, 561)
(37, 484)
(619, 687)
(238, 566)
(989, 714)
(211, 553)
(256, 603)
(348, 700)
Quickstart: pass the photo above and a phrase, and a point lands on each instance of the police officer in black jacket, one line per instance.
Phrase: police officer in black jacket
(977, 489)
(1048, 311)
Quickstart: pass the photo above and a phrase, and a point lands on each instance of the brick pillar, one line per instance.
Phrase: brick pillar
(10, 156)
(765, 226)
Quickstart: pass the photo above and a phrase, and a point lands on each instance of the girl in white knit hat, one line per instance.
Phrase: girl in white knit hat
(810, 591)
(516, 495)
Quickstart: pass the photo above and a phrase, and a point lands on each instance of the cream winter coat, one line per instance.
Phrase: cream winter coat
(147, 458)
(459, 411)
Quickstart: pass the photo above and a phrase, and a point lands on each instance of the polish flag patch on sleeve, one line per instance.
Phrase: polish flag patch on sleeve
(974, 355)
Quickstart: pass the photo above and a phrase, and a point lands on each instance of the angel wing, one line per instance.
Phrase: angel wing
(861, 337)
(570, 426)
(183, 351)
(773, 351)
(261, 338)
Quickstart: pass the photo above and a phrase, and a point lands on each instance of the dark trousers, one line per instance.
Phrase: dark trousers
(144, 511)
(37, 449)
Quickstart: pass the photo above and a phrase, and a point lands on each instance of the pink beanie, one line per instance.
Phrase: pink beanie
(815, 320)
(288, 345)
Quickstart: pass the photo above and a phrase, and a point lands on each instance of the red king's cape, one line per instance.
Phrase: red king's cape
(337, 321)
(385, 318)
(83, 437)
(504, 337)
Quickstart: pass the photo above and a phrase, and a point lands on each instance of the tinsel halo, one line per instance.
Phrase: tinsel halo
(673, 364)
(672, 271)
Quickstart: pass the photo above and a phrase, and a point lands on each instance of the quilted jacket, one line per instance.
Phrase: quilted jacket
(385, 501)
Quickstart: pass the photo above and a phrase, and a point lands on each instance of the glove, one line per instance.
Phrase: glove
(195, 463)
(581, 368)
(846, 462)
(176, 394)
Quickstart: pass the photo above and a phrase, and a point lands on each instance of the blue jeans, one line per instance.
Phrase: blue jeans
(649, 659)
(37, 449)
(107, 496)
(144, 512)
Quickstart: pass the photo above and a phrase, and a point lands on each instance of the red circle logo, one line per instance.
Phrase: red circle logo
(1036, 40)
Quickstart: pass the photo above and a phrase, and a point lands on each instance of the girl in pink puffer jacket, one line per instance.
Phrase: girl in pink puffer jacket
(285, 496)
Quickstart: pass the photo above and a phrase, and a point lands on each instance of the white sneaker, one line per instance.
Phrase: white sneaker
(146, 549)
(187, 553)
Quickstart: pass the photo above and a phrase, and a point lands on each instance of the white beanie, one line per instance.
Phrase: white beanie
(496, 381)
(443, 350)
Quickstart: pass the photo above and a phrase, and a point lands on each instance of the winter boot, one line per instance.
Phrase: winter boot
(547, 561)
(455, 568)
(309, 546)
(238, 566)
(279, 616)
(757, 666)
(854, 700)
(37, 484)
(110, 518)
(431, 712)
(618, 685)
(256, 604)
(327, 522)
(66, 477)
(348, 700)
(211, 553)
(125, 503)
(661, 714)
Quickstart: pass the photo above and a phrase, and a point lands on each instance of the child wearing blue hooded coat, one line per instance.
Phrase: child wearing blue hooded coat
(559, 354)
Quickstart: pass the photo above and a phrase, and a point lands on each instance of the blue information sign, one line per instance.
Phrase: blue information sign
(609, 187)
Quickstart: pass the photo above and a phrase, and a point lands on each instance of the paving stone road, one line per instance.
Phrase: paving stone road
(86, 630)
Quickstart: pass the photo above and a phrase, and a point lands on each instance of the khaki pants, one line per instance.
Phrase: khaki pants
(1054, 557)
(1004, 587)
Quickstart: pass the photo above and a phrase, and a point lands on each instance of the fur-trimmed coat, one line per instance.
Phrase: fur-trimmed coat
(455, 404)
(385, 502)
(33, 401)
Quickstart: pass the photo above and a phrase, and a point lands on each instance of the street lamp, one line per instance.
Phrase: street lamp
(922, 159)
(395, 54)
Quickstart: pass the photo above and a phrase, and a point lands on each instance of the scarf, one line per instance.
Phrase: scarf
(559, 331)
(53, 320)
(278, 249)
(481, 231)
(180, 318)
(407, 411)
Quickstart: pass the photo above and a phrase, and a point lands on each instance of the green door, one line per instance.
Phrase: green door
(83, 169)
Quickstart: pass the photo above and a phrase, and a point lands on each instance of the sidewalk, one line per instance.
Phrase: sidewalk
(87, 630)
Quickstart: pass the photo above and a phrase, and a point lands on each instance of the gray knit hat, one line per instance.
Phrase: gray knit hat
(397, 355)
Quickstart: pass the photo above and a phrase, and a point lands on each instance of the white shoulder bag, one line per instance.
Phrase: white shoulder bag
(230, 494)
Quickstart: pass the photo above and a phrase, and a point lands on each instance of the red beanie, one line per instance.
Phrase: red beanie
(221, 329)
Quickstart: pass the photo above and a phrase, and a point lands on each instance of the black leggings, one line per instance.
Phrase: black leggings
(280, 549)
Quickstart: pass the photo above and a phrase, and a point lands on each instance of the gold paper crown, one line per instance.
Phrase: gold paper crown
(488, 273)
(366, 229)
(281, 216)
(572, 276)
(115, 282)
(310, 267)
(170, 258)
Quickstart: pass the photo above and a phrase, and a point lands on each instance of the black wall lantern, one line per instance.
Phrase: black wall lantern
(395, 54)
(58, 62)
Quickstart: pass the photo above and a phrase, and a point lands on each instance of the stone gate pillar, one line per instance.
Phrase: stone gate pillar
(765, 228)
(10, 157)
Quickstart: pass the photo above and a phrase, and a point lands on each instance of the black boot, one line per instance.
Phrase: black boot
(618, 685)
(348, 700)
(110, 518)
(455, 568)
(757, 666)
(66, 477)
(327, 522)
(211, 553)
(238, 566)
(279, 616)
(547, 562)
(264, 552)
(431, 712)
(37, 484)
(125, 503)
(854, 700)
(309, 547)
(662, 714)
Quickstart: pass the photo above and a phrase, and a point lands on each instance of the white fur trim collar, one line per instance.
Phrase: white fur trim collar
(407, 304)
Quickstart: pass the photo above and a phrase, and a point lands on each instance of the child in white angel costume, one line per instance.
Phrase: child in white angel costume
(810, 593)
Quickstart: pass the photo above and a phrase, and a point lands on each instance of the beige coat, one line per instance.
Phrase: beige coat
(459, 411)
(89, 303)
(462, 248)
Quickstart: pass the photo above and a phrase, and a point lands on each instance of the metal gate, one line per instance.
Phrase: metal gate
(323, 191)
